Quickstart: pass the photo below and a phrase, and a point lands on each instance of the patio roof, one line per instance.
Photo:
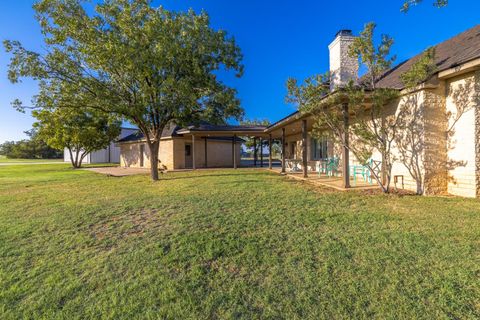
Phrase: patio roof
(239, 130)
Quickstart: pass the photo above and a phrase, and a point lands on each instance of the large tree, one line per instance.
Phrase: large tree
(145, 64)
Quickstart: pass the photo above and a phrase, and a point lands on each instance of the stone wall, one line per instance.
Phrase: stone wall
(172, 153)
(463, 151)
(436, 168)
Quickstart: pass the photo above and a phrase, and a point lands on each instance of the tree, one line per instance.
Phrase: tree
(376, 128)
(79, 131)
(407, 4)
(145, 64)
(32, 148)
(371, 129)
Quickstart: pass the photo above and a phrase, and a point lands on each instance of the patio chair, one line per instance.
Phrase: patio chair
(332, 167)
(365, 171)
(321, 166)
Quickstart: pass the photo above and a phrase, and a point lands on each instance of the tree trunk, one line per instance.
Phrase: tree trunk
(72, 160)
(77, 152)
(419, 188)
(153, 148)
(84, 154)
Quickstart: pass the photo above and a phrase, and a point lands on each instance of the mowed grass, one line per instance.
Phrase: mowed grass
(4, 159)
(228, 244)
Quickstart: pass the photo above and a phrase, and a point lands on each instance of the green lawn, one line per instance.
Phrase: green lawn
(229, 244)
(4, 159)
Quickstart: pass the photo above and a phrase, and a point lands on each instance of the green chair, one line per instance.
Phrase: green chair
(332, 167)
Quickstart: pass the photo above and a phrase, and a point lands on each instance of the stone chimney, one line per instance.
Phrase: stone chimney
(343, 68)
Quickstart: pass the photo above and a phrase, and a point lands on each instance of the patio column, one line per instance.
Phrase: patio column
(270, 151)
(346, 152)
(206, 153)
(254, 151)
(304, 148)
(234, 144)
(261, 152)
(193, 152)
(283, 150)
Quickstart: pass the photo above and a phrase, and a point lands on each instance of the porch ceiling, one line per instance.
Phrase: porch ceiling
(225, 133)
(292, 127)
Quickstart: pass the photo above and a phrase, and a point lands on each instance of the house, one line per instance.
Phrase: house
(202, 146)
(444, 154)
(111, 154)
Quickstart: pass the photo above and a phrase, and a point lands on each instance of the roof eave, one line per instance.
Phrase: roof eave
(465, 67)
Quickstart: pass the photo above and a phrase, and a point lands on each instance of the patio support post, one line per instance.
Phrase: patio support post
(261, 152)
(255, 151)
(304, 148)
(206, 153)
(193, 152)
(234, 144)
(283, 150)
(270, 151)
(346, 152)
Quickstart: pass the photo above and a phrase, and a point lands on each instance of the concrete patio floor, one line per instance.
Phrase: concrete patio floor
(330, 182)
(119, 171)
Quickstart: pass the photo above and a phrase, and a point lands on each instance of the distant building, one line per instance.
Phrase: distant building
(111, 154)
(203, 146)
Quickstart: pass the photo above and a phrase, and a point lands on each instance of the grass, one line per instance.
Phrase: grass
(229, 244)
(4, 159)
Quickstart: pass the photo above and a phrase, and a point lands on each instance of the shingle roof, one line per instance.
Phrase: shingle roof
(448, 54)
(172, 131)
(136, 136)
(169, 131)
(210, 127)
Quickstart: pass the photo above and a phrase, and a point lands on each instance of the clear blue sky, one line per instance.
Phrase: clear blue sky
(279, 39)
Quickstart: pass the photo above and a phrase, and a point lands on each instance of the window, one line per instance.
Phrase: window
(188, 150)
(319, 148)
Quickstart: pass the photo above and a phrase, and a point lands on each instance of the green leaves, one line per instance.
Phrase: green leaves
(377, 59)
(423, 68)
(407, 4)
(147, 64)
(79, 131)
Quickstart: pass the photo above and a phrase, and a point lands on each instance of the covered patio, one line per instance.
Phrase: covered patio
(234, 134)
(318, 160)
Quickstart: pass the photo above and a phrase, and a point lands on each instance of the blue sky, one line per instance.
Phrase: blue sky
(279, 39)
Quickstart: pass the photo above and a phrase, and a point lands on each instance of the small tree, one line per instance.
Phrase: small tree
(376, 127)
(79, 131)
(328, 112)
(410, 140)
(146, 64)
(372, 128)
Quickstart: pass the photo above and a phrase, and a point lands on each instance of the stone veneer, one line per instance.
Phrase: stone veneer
(477, 132)
(435, 162)
(343, 67)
